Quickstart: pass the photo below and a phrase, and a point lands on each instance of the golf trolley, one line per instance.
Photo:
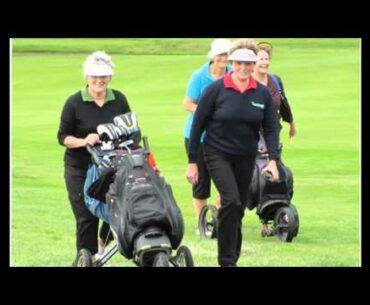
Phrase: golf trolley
(272, 201)
(147, 242)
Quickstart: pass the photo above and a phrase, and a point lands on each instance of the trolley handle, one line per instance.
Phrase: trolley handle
(146, 144)
(267, 175)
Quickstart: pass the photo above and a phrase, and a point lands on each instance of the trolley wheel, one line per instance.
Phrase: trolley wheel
(84, 258)
(161, 260)
(207, 223)
(295, 212)
(285, 224)
(184, 257)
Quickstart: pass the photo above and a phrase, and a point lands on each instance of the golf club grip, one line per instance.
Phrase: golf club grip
(93, 153)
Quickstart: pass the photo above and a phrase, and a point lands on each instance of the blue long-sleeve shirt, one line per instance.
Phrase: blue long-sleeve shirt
(199, 81)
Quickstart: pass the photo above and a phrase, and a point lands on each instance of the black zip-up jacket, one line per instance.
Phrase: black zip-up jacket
(232, 119)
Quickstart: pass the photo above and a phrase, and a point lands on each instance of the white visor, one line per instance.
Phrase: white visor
(243, 55)
(98, 69)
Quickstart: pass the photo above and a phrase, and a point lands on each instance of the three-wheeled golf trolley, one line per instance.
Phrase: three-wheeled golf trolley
(272, 201)
(124, 188)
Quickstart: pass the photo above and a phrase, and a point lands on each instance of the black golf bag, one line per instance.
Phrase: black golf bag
(272, 200)
(139, 199)
(124, 188)
(263, 193)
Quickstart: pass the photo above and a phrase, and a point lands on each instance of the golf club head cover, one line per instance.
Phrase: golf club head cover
(107, 132)
(127, 122)
(121, 132)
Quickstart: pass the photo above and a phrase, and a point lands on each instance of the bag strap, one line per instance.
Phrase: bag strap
(276, 82)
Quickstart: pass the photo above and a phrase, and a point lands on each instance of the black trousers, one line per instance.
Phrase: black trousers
(201, 190)
(231, 175)
(86, 223)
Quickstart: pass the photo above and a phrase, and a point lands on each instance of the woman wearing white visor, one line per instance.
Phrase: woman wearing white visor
(232, 111)
(82, 113)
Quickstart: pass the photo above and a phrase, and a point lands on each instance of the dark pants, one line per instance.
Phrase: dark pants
(86, 223)
(201, 190)
(231, 175)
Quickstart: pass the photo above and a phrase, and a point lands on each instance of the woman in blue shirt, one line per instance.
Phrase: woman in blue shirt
(211, 71)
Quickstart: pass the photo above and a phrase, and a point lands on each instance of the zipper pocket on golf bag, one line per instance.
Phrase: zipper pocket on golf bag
(145, 205)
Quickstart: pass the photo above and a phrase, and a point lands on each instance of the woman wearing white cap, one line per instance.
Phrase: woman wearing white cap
(82, 113)
(215, 68)
(232, 111)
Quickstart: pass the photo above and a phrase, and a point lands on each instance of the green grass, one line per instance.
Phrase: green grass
(321, 77)
(140, 46)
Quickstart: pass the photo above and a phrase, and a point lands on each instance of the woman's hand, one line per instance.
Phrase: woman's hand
(292, 130)
(192, 173)
(92, 139)
(271, 167)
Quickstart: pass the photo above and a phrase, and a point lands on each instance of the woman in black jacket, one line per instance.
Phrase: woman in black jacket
(232, 111)
(82, 113)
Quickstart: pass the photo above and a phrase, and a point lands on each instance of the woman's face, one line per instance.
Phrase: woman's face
(98, 84)
(243, 69)
(263, 63)
(220, 60)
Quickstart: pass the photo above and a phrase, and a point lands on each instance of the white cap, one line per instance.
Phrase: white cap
(219, 46)
(243, 55)
(98, 63)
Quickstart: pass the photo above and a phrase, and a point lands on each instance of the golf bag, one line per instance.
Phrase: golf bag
(262, 191)
(139, 198)
(99, 178)
(124, 188)
(272, 201)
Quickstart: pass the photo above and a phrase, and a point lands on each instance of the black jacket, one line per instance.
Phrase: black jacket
(232, 120)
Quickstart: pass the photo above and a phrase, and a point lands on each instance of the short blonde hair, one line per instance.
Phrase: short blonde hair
(243, 43)
(265, 46)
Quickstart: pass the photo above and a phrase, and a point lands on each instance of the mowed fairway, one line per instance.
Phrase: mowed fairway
(322, 82)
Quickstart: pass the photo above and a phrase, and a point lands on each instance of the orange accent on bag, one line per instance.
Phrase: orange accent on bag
(152, 163)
